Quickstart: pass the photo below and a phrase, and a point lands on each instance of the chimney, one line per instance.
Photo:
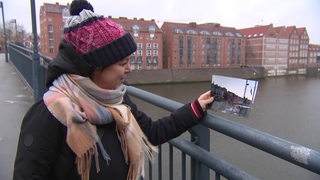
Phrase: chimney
(193, 24)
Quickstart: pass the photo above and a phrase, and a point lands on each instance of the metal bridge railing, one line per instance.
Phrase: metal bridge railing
(197, 148)
(286, 150)
(22, 59)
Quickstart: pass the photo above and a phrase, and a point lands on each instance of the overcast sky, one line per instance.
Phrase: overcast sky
(231, 13)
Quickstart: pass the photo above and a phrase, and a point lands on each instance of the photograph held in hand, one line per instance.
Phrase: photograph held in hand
(233, 95)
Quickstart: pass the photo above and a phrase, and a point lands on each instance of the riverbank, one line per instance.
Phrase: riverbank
(165, 76)
(190, 75)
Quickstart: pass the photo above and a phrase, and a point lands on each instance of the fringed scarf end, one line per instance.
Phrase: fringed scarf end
(83, 165)
(84, 160)
(134, 172)
(104, 154)
(149, 150)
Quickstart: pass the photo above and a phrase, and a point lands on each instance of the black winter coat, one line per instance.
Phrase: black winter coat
(43, 153)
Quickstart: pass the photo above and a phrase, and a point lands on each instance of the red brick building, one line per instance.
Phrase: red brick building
(267, 47)
(293, 50)
(280, 50)
(148, 37)
(303, 50)
(314, 56)
(202, 46)
(52, 18)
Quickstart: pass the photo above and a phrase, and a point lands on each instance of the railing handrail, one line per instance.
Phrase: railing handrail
(18, 49)
(281, 148)
(46, 59)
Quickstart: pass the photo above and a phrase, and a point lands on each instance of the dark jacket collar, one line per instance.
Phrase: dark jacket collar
(67, 61)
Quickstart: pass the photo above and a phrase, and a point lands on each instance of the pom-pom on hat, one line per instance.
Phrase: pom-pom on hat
(99, 40)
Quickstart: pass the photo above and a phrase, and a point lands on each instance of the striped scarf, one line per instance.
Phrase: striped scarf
(80, 105)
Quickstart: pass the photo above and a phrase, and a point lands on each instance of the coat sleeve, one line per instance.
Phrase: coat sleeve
(166, 128)
(38, 146)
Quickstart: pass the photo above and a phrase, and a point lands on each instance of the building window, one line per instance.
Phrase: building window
(149, 62)
(139, 46)
(152, 30)
(50, 35)
(155, 62)
(189, 50)
(155, 46)
(148, 53)
(180, 51)
(232, 51)
(132, 63)
(230, 34)
(209, 48)
(270, 46)
(50, 28)
(51, 39)
(240, 35)
(178, 31)
(51, 46)
(191, 31)
(216, 33)
(139, 63)
(239, 52)
(155, 53)
(204, 33)
(148, 45)
(135, 29)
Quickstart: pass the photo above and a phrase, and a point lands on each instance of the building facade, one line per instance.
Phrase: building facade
(148, 37)
(52, 18)
(293, 50)
(303, 50)
(280, 50)
(202, 46)
(314, 56)
(267, 47)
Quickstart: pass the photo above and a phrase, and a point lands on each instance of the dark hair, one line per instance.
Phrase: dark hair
(78, 5)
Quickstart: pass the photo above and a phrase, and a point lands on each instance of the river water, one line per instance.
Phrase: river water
(287, 107)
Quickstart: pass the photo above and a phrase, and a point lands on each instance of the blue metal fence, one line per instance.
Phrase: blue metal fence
(197, 148)
(22, 59)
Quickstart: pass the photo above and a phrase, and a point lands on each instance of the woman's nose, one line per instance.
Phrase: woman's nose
(128, 68)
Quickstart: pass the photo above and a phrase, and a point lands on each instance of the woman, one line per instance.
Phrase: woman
(86, 126)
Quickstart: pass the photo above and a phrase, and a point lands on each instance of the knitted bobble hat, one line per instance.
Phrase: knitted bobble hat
(100, 41)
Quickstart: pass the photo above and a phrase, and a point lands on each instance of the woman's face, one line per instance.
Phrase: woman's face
(111, 76)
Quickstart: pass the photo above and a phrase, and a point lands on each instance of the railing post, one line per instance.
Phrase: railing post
(36, 57)
(200, 135)
(4, 32)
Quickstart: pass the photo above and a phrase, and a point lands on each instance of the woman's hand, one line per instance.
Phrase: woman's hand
(205, 99)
